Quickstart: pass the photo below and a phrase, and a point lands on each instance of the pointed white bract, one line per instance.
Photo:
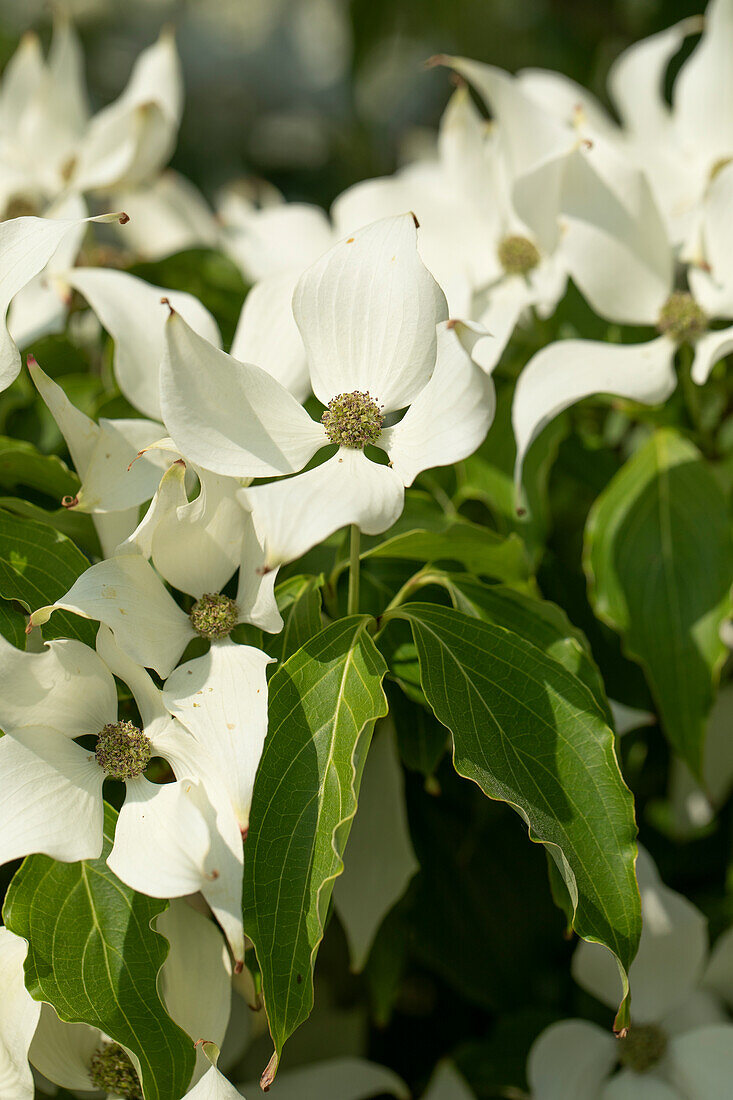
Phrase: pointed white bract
(221, 699)
(126, 595)
(132, 313)
(18, 1020)
(566, 372)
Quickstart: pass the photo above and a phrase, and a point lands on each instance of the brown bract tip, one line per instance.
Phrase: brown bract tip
(622, 1033)
(137, 456)
(167, 302)
(270, 1070)
(31, 361)
(69, 502)
(239, 966)
(178, 462)
(451, 323)
(457, 80)
(124, 218)
(29, 627)
(587, 143)
(414, 218)
(436, 60)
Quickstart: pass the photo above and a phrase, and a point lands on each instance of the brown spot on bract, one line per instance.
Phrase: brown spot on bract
(231, 726)
(350, 240)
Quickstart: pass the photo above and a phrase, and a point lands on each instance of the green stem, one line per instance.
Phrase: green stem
(352, 606)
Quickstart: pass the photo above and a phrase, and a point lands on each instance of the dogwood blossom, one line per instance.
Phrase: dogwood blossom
(171, 839)
(645, 293)
(679, 147)
(196, 546)
(43, 113)
(373, 321)
(681, 1041)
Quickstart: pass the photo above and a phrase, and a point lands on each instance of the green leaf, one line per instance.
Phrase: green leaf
(477, 549)
(324, 702)
(22, 464)
(12, 624)
(299, 601)
(422, 740)
(659, 560)
(94, 956)
(528, 733)
(37, 566)
(542, 623)
(78, 526)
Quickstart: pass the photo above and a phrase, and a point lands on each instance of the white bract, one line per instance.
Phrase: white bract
(680, 1043)
(374, 324)
(26, 246)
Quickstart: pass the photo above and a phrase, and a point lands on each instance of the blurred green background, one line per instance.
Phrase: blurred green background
(316, 94)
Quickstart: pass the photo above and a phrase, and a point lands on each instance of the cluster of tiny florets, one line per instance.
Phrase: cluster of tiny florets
(681, 318)
(353, 420)
(518, 255)
(123, 751)
(214, 615)
(642, 1047)
(112, 1070)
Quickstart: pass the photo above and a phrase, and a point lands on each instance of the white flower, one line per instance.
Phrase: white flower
(172, 839)
(682, 147)
(373, 322)
(196, 546)
(49, 145)
(43, 113)
(680, 1044)
(195, 985)
(632, 285)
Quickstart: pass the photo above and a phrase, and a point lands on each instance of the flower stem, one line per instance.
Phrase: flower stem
(352, 606)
